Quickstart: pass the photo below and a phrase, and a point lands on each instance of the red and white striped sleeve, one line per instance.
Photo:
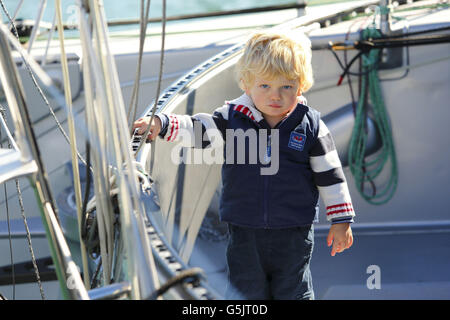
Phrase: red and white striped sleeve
(190, 131)
(329, 178)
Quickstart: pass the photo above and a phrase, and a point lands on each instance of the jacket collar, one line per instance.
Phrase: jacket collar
(244, 106)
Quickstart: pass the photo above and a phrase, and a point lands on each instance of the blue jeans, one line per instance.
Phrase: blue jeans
(268, 264)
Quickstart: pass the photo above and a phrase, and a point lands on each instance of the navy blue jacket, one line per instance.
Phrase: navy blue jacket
(307, 164)
(285, 199)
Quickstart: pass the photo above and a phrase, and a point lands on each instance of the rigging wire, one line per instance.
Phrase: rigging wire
(143, 31)
(28, 234)
(73, 142)
(87, 191)
(48, 209)
(92, 64)
(19, 5)
(13, 275)
(30, 245)
(111, 94)
(94, 280)
(49, 40)
(35, 30)
(33, 79)
(13, 26)
(102, 221)
(158, 89)
(114, 124)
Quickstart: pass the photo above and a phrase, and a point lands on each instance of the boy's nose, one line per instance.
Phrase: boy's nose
(275, 95)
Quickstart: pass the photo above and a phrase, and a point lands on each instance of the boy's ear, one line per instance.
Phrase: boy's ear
(242, 85)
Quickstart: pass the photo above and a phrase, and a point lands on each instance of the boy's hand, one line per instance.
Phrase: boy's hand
(142, 125)
(341, 236)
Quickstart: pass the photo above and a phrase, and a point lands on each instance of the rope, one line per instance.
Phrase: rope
(367, 170)
(158, 90)
(73, 141)
(143, 30)
(193, 275)
(116, 133)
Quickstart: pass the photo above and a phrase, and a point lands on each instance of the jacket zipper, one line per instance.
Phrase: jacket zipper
(266, 184)
(266, 201)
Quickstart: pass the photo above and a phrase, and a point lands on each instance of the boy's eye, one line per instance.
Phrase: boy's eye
(264, 86)
(287, 87)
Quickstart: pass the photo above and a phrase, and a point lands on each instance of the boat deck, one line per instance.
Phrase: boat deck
(413, 264)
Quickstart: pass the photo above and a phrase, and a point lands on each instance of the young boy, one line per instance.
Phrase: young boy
(271, 216)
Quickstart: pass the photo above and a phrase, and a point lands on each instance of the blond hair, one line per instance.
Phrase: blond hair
(275, 54)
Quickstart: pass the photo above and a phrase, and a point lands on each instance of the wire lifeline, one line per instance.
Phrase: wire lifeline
(30, 245)
(362, 169)
(27, 230)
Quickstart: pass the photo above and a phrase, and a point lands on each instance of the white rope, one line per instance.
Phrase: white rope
(109, 113)
(141, 267)
(73, 142)
(90, 63)
(138, 247)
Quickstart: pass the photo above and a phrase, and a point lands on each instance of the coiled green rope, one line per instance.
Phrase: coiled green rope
(364, 170)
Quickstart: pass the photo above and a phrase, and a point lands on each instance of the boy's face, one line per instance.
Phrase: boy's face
(274, 98)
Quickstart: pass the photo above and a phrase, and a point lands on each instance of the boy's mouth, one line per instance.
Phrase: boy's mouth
(275, 106)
